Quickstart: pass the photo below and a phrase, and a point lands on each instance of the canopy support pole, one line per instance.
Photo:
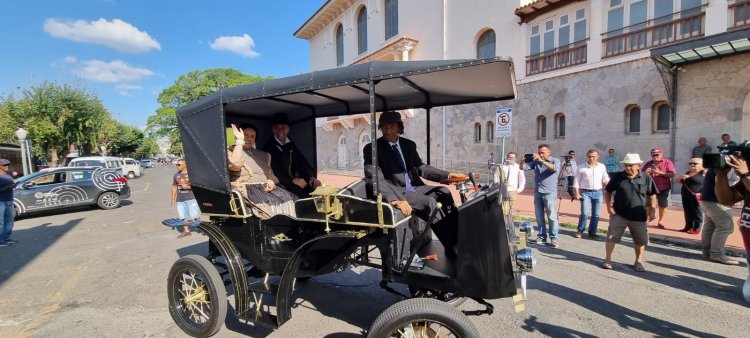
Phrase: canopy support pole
(427, 109)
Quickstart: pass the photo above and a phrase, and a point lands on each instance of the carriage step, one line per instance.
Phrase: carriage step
(271, 289)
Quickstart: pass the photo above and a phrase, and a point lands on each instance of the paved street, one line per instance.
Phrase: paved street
(97, 273)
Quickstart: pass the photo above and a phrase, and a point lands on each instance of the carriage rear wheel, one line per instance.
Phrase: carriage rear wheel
(422, 318)
(197, 296)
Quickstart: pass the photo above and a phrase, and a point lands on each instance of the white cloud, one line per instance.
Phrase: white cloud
(242, 45)
(70, 59)
(116, 34)
(115, 71)
(125, 89)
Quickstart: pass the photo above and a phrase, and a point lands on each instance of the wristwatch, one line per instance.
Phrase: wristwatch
(747, 174)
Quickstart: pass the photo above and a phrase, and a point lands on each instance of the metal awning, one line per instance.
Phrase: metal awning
(713, 46)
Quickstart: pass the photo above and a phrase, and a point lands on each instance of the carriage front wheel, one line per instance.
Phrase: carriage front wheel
(422, 318)
(197, 296)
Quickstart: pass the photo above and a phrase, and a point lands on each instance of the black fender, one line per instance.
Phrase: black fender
(234, 264)
(283, 297)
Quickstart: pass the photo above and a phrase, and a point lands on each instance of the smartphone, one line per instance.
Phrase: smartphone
(528, 158)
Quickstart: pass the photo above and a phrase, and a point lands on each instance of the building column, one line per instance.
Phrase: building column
(717, 17)
(596, 28)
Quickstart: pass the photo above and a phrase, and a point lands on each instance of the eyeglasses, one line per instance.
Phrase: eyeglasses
(693, 163)
(655, 155)
(179, 164)
(631, 165)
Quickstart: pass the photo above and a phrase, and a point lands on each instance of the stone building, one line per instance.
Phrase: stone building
(623, 74)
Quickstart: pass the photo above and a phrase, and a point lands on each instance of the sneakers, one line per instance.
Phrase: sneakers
(184, 234)
(4, 244)
(554, 244)
(11, 241)
(579, 234)
(540, 240)
(693, 232)
(660, 226)
(724, 260)
(594, 236)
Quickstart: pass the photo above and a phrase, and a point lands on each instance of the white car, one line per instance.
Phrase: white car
(132, 168)
(116, 163)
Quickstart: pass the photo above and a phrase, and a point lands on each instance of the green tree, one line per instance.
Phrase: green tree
(188, 88)
(147, 148)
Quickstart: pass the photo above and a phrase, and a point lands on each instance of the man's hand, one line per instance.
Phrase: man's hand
(610, 211)
(270, 185)
(575, 197)
(300, 182)
(651, 213)
(537, 157)
(314, 182)
(173, 204)
(403, 206)
(739, 165)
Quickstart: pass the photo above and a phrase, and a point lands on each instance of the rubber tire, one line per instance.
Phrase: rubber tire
(108, 194)
(417, 309)
(131, 175)
(455, 302)
(216, 290)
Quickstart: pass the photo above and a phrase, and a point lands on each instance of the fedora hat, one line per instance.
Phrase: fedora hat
(631, 159)
(279, 118)
(389, 117)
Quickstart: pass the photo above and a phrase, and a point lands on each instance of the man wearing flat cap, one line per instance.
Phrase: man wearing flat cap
(6, 203)
(400, 172)
(291, 168)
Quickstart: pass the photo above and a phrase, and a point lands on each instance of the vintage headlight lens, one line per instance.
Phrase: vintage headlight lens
(525, 259)
(527, 227)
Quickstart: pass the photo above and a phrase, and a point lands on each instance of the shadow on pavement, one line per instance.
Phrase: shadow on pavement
(32, 243)
(532, 325)
(625, 317)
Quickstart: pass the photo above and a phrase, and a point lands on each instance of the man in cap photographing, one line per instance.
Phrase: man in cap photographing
(291, 168)
(661, 170)
(400, 173)
(633, 206)
(6, 203)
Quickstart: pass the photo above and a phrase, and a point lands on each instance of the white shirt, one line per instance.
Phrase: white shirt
(590, 178)
(515, 178)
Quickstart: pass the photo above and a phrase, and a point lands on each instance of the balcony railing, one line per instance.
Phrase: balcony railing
(739, 14)
(558, 58)
(655, 32)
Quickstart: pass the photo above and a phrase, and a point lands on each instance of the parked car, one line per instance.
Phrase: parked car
(65, 187)
(132, 168)
(147, 163)
(108, 162)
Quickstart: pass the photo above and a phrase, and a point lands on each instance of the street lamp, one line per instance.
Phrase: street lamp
(21, 134)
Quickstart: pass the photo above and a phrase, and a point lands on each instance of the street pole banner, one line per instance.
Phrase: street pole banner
(503, 123)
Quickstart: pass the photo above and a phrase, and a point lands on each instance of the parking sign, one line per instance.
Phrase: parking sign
(503, 117)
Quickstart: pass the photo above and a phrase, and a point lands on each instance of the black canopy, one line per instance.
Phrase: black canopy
(333, 92)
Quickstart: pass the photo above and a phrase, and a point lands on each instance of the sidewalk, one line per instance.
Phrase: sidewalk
(569, 211)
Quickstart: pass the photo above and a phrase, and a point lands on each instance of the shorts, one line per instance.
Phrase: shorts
(663, 198)
(188, 209)
(617, 225)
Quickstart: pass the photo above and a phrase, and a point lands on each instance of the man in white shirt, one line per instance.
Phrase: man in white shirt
(515, 180)
(590, 178)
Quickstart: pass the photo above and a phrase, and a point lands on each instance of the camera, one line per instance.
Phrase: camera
(721, 159)
(528, 158)
(566, 159)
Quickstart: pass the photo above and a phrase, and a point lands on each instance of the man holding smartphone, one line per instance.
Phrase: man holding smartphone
(661, 170)
(546, 171)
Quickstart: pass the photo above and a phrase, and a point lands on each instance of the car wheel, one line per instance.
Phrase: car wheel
(108, 200)
(422, 317)
(197, 296)
(131, 175)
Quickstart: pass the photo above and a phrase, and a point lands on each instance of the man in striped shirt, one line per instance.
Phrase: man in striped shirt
(590, 178)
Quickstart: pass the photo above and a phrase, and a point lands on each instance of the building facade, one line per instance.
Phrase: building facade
(591, 74)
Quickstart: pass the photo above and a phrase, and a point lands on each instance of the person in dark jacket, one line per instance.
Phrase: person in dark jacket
(291, 168)
(400, 172)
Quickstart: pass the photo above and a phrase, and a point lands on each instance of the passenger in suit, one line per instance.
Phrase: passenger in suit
(400, 172)
(287, 162)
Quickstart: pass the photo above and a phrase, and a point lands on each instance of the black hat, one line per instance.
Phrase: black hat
(389, 117)
(279, 118)
(4, 161)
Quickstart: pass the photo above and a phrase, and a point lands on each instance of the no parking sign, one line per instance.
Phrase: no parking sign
(503, 119)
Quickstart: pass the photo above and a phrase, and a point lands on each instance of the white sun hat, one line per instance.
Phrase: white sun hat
(631, 159)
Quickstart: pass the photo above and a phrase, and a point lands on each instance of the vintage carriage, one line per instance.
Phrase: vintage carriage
(262, 258)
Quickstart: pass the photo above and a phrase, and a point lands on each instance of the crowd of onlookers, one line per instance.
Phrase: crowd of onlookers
(635, 192)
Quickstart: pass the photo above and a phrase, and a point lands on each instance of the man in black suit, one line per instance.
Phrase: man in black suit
(287, 162)
(400, 172)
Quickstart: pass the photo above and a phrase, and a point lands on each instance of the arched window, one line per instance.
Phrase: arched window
(364, 139)
(486, 45)
(560, 125)
(490, 131)
(662, 118)
(541, 127)
(391, 18)
(341, 152)
(477, 132)
(633, 119)
(339, 45)
(362, 30)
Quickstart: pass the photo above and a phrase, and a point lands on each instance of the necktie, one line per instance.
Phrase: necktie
(400, 157)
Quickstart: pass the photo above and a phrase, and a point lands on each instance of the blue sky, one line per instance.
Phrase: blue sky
(127, 51)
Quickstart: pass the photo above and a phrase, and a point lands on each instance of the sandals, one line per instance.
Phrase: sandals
(606, 266)
(660, 226)
(184, 234)
(639, 267)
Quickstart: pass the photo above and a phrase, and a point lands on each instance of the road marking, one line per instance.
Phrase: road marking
(147, 185)
(53, 303)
